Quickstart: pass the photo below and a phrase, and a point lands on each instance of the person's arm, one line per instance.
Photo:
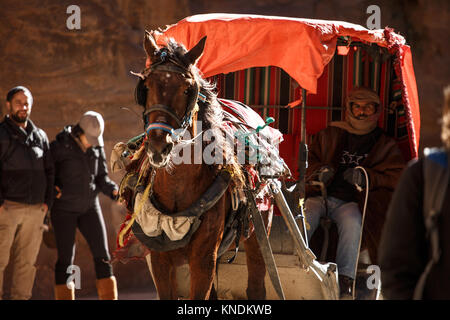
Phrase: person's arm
(49, 168)
(5, 148)
(317, 161)
(403, 250)
(387, 172)
(106, 185)
(2, 149)
(315, 155)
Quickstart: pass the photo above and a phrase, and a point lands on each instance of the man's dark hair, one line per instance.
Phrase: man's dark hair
(14, 90)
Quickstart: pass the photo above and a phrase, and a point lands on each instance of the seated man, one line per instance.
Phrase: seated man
(334, 154)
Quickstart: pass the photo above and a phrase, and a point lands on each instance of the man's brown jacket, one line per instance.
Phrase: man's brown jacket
(384, 165)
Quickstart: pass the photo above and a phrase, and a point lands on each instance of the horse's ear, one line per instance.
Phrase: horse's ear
(195, 53)
(150, 45)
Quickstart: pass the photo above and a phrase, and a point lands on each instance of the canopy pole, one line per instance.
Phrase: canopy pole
(302, 165)
(303, 139)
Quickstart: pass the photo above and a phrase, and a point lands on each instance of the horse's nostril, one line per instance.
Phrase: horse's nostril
(158, 151)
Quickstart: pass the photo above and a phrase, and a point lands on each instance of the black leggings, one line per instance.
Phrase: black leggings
(92, 227)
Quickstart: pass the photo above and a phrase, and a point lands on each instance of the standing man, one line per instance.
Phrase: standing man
(335, 153)
(415, 243)
(26, 191)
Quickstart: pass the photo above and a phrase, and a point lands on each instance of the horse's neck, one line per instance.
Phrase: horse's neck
(178, 188)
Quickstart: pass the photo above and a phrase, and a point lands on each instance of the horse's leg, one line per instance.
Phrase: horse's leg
(256, 270)
(202, 265)
(256, 267)
(163, 274)
(203, 251)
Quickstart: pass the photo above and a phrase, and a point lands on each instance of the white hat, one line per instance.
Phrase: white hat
(93, 125)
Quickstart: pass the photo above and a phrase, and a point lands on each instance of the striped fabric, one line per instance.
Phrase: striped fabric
(158, 126)
(266, 89)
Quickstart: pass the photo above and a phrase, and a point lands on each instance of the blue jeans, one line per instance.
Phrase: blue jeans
(347, 217)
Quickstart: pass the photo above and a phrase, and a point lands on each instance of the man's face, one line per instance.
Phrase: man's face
(363, 109)
(19, 108)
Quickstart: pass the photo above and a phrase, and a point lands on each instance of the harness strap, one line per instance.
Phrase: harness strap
(163, 108)
(170, 68)
(205, 203)
(136, 211)
(159, 126)
(166, 57)
(233, 230)
(211, 196)
(176, 67)
(436, 176)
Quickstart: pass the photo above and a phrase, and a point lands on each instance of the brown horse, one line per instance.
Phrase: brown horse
(170, 88)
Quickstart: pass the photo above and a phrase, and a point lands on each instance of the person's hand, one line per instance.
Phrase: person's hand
(354, 176)
(325, 174)
(115, 194)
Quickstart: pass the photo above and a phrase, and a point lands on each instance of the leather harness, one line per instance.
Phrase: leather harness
(177, 67)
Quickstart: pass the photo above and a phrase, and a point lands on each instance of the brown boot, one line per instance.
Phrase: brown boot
(345, 287)
(107, 288)
(65, 291)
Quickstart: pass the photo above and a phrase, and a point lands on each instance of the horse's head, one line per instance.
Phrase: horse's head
(168, 90)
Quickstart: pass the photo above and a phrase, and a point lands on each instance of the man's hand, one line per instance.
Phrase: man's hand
(325, 174)
(354, 176)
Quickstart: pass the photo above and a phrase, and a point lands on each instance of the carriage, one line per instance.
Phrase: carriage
(298, 72)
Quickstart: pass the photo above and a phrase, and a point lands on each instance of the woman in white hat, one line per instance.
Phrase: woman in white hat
(81, 173)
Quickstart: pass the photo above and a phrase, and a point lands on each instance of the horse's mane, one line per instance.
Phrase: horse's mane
(210, 113)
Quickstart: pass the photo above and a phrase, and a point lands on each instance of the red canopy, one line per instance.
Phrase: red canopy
(301, 47)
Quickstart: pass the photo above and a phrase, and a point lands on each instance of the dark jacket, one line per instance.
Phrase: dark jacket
(27, 171)
(404, 250)
(384, 164)
(80, 175)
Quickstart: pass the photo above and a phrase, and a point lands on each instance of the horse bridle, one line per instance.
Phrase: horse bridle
(186, 121)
